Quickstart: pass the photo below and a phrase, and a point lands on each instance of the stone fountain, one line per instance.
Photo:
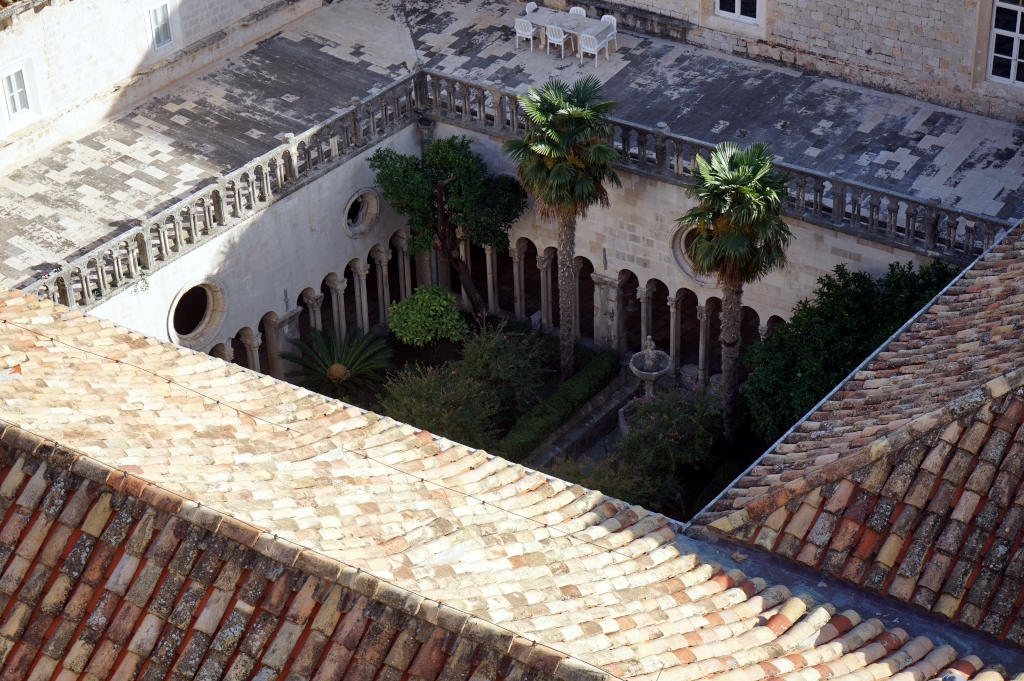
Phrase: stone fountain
(649, 365)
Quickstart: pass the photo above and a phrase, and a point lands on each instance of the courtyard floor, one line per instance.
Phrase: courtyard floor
(81, 193)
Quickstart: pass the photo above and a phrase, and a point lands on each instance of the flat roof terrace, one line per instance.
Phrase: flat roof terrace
(82, 193)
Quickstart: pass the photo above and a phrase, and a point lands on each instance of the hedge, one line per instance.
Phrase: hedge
(558, 407)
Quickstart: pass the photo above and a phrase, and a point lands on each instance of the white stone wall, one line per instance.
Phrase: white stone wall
(89, 59)
(263, 264)
(636, 233)
(935, 50)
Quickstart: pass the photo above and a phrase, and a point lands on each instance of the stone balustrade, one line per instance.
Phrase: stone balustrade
(128, 258)
(881, 215)
(891, 217)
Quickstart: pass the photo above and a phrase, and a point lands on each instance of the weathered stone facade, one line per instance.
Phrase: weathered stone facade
(937, 51)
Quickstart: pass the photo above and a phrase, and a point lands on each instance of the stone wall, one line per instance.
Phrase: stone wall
(89, 59)
(637, 232)
(937, 51)
(262, 264)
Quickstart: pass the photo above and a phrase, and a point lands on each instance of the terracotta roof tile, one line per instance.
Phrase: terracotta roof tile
(920, 455)
(111, 576)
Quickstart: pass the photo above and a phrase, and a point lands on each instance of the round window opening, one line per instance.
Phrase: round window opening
(680, 243)
(361, 211)
(192, 310)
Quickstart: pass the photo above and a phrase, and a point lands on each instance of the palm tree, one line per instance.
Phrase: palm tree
(564, 159)
(338, 369)
(739, 236)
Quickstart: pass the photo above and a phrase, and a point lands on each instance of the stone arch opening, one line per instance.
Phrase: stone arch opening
(531, 280)
(689, 327)
(584, 298)
(629, 312)
(660, 320)
(774, 322)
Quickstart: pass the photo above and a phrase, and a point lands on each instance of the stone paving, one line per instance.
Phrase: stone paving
(83, 192)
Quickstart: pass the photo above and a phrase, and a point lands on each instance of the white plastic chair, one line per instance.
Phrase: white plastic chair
(578, 11)
(558, 37)
(609, 19)
(591, 45)
(531, 7)
(525, 30)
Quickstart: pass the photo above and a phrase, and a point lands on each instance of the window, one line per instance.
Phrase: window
(742, 9)
(16, 93)
(1007, 53)
(160, 23)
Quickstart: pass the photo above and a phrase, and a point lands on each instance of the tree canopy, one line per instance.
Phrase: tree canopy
(848, 316)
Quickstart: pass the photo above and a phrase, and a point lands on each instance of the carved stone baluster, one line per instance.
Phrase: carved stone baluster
(892, 209)
(466, 116)
(910, 225)
(874, 203)
(838, 202)
(816, 202)
(165, 246)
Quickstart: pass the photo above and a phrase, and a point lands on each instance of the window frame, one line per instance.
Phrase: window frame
(735, 15)
(1016, 76)
(153, 26)
(12, 120)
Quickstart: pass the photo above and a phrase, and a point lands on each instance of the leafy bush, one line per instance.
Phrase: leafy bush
(512, 364)
(337, 370)
(663, 460)
(444, 401)
(849, 316)
(557, 407)
(428, 315)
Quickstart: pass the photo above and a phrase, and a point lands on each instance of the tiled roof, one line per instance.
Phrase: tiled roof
(907, 480)
(107, 573)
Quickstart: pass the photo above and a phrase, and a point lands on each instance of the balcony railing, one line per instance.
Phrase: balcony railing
(891, 217)
(874, 213)
(129, 257)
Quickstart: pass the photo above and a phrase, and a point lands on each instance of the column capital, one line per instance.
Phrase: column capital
(361, 268)
(251, 341)
(545, 261)
(400, 241)
(514, 253)
(643, 294)
(381, 257)
(310, 298)
(702, 313)
(762, 330)
(338, 285)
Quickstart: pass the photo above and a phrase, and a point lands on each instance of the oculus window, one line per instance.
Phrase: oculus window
(1006, 55)
(740, 9)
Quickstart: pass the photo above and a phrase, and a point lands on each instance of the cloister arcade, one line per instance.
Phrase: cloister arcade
(521, 283)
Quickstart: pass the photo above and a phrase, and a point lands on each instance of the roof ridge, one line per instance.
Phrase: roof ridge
(891, 443)
(525, 650)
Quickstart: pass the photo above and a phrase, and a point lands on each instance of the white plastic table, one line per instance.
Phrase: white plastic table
(573, 24)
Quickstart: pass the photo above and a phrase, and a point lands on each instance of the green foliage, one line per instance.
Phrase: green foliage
(557, 407)
(662, 461)
(443, 400)
(848, 317)
(512, 364)
(565, 157)
(739, 234)
(337, 370)
(429, 314)
(483, 205)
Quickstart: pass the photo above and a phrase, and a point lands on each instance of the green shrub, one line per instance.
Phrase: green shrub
(430, 314)
(512, 364)
(557, 407)
(443, 401)
(849, 315)
(663, 460)
(338, 370)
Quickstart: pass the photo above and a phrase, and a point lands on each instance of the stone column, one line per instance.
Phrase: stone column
(576, 308)
(272, 338)
(467, 304)
(675, 330)
(491, 257)
(337, 288)
(251, 341)
(606, 309)
(762, 331)
(360, 270)
(380, 261)
(404, 270)
(643, 294)
(544, 265)
(312, 302)
(704, 339)
(518, 283)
